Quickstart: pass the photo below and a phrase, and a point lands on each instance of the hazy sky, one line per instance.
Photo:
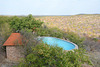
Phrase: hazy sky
(49, 7)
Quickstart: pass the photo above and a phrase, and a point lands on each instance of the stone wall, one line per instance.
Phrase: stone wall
(14, 53)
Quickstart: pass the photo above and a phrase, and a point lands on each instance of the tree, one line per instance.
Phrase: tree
(28, 23)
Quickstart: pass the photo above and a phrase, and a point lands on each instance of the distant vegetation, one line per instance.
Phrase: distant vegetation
(88, 25)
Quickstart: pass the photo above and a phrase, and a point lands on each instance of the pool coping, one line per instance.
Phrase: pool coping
(76, 47)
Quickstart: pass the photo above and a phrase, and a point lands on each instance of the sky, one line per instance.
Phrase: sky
(49, 7)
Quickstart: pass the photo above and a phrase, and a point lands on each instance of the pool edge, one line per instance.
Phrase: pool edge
(76, 47)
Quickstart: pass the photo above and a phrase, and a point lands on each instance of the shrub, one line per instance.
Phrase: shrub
(52, 56)
(42, 32)
(91, 45)
(5, 32)
(95, 61)
(19, 23)
(28, 41)
(74, 38)
(53, 32)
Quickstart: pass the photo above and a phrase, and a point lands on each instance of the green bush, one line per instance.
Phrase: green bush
(53, 32)
(74, 38)
(5, 32)
(28, 41)
(52, 56)
(29, 23)
(42, 32)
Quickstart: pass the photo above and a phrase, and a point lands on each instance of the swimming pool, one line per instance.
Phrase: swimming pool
(59, 42)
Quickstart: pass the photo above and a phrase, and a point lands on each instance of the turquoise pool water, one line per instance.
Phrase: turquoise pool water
(55, 41)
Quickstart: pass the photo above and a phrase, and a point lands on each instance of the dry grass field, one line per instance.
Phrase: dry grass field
(81, 24)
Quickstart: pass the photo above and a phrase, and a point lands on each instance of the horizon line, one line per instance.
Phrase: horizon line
(53, 15)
